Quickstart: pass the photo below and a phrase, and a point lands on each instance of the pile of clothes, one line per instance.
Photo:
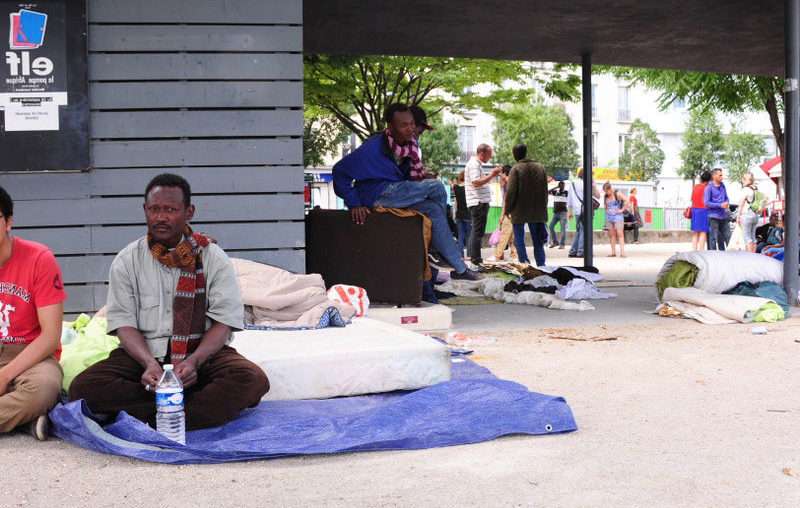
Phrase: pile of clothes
(546, 286)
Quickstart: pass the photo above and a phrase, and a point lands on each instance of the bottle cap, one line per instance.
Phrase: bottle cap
(167, 366)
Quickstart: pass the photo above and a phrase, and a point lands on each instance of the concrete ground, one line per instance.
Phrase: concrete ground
(672, 413)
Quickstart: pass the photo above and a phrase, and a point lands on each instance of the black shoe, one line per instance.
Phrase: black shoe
(571, 255)
(39, 428)
(435, 258)
(466, 275)
(440, 263)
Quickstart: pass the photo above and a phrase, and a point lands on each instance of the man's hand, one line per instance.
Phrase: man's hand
(151, 375)
(187, 372)
(496, 171)
(3, 383)
(724, 205)
(359, 214)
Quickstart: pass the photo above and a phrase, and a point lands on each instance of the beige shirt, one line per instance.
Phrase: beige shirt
(141, 292)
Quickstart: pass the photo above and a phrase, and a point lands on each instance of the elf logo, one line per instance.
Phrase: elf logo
(27, 29)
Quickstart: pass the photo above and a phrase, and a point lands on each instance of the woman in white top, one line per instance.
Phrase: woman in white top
(745, 216)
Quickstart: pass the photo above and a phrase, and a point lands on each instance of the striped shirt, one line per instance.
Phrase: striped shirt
(476, 195)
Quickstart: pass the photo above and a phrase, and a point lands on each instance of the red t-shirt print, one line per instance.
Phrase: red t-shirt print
(29, 279)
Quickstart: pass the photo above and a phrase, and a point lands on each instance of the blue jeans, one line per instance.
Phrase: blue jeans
(562, 218)
(577, 242)
(464, 228)
(772, 250)
(538, 244)
(716, 233)
(429, 198)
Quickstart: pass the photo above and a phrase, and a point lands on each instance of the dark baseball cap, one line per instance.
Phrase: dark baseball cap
(420, 118)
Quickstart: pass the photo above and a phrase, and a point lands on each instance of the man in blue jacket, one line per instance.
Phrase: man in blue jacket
(716, 200)
(377, 174)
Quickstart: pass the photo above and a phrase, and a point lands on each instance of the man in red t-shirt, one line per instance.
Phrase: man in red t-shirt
(31, 296)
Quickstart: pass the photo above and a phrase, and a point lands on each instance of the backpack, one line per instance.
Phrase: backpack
(759, 201)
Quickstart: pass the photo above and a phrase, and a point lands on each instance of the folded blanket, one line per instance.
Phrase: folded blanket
(276, 298)
(719, 271)
(733, 307)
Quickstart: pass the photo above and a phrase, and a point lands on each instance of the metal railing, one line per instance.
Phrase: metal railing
(674, 219)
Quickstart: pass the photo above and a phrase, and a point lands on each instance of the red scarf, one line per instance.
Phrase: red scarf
(416, 172)
(189, 304)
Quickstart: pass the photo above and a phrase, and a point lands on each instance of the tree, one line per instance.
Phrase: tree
(743, 150)
(357, 89)
(322, 136)
(729, 93)
(642, 157)
(702, 144)
(546, 130)
(439, 147)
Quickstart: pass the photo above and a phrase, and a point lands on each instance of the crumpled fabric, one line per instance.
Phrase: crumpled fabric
(769, 313)
(518, 287)
(766, 289)
(594, 277)
(90, 345)
(582, 289)
(563, 276)
(493, 287)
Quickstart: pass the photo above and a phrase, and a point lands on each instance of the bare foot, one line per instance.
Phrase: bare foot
(611, 256)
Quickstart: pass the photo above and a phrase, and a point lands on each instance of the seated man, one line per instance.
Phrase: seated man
(377, 174)
(31, 296)
(172, 298)
(764, 231)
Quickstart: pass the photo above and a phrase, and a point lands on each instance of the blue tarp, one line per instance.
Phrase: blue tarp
(473, 406)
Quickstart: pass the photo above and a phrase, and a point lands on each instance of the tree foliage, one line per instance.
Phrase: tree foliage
(729, 93)
(642, 157)
(439, 147)
(357, 89)
(743, 150)
(546, 130)
(322, 136)
(702, 143)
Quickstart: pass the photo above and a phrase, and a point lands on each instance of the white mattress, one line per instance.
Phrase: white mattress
(366, 356)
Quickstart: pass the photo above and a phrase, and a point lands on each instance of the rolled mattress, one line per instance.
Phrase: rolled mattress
(366, 356)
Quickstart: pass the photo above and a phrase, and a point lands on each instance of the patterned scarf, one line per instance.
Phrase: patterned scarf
(416, 172)
(189, 304)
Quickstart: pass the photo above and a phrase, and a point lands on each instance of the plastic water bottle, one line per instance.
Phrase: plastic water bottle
(170, 419)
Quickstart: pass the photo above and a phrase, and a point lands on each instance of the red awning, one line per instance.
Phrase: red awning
(769, 164)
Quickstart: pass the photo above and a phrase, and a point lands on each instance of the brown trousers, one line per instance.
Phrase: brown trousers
(32, 393)
(226, 384)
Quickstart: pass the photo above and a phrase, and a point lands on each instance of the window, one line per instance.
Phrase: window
(466, 135)
(623, 107)
(594, 102)
(622, 139)
(594, 149)
(678, 103)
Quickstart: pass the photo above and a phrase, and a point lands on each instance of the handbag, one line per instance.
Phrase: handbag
(595, 202)
(495, 238)
(688, 212)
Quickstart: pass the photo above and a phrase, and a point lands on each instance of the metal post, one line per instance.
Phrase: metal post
(588, 218)
(791, 166)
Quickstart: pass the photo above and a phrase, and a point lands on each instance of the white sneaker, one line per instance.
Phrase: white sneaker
(494, 259)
